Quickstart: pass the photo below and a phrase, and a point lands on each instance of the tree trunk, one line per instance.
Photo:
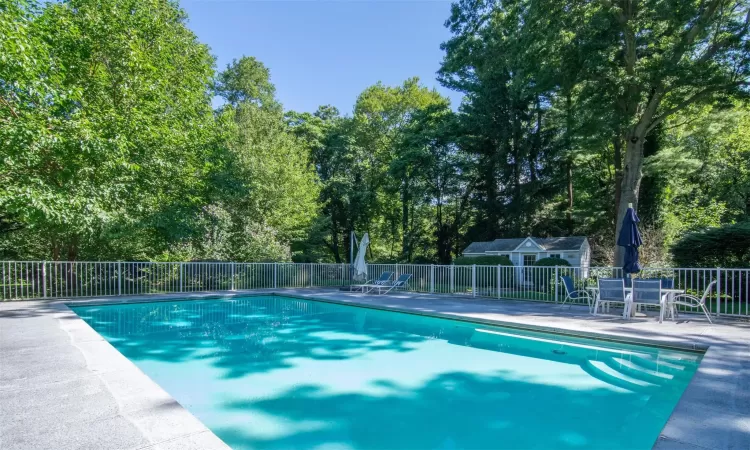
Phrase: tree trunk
(569, 151)
(631, 183)
(571, 225)
(334, 246)
(617, 143)
(405, 220)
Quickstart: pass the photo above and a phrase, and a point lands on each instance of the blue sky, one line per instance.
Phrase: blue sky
(327, 52)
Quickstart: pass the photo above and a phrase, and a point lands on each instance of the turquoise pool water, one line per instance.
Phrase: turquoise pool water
(272, 372)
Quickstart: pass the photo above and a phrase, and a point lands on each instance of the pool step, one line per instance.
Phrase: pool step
(659, 364)
(601, 370)
(640, 372)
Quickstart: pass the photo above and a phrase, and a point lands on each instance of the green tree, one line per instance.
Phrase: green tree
(655, 59)
(432, 170)
(275, 198)
(118, 134)
(505, 116)
(380, 115)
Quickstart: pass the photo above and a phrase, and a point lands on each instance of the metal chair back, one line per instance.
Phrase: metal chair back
(385, 278)
(707, 292)
(402, 279)
(647, 291)
(611, 289)
(666, 283)
(570, 289)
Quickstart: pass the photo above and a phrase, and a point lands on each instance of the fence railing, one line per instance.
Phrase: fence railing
(62, 279)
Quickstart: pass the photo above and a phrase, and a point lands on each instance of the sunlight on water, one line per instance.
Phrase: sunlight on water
(275, 372)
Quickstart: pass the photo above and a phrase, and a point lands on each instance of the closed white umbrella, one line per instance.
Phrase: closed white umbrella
(360, 267)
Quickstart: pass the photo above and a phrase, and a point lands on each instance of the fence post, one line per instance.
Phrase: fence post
(453, 278)
(473, 280)
(232, 275)
(119, 277)
(499, 280)
(718, 291)
(432, 278)
(311, 274)
(557, 283)
(44, 278)
(275, 268)
(182, 269)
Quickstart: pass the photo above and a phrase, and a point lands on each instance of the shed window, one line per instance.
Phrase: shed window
(555, 255)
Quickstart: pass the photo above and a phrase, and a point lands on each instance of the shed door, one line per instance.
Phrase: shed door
(528, 260)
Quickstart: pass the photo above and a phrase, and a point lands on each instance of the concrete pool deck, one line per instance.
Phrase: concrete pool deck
(62, 386)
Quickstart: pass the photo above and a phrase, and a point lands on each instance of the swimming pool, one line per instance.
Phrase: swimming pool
(279, 372)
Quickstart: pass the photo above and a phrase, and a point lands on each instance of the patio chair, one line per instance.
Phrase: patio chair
(666, 283)
(612, 290)
(571, 293)
(400, 283)
(692, 301)
(385, 278)
(649, 293)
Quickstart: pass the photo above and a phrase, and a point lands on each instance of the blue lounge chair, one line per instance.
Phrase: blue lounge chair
(385, 279)
(400, 283)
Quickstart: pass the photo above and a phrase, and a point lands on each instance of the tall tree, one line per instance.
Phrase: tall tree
(380, 114)
(504, 115)
(114, 128)
(275, 199)
(662, 57)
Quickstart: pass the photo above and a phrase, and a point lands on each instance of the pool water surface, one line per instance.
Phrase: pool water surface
(273, 372)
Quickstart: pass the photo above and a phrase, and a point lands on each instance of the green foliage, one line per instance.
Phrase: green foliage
(111, 148)
(562, 96)
(246, 81)
(483, 261)
(551, 262)
(544, 279)
(113, 143)
(725, 246)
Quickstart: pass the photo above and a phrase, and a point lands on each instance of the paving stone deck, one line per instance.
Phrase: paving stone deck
(62, 386)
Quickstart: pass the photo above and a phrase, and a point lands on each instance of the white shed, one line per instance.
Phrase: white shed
(526, 251)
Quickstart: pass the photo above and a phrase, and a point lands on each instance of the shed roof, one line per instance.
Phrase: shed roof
(507, 245)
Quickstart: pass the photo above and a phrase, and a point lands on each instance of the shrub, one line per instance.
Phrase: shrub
(483, 261)
(422, 260)
(551, 262)
(544, 280)
(725, 246)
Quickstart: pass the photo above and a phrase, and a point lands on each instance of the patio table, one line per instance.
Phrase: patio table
(671, 293)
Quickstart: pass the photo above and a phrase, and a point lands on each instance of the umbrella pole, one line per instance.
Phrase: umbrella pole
(351, 257)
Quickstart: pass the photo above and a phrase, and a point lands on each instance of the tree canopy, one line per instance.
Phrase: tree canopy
(113, 146)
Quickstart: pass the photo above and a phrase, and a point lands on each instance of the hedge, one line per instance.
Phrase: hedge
(725, 246)
(549, 262)
(483, 261)
(544, 280)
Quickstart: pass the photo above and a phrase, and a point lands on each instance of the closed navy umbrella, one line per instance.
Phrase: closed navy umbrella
(630, 238)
